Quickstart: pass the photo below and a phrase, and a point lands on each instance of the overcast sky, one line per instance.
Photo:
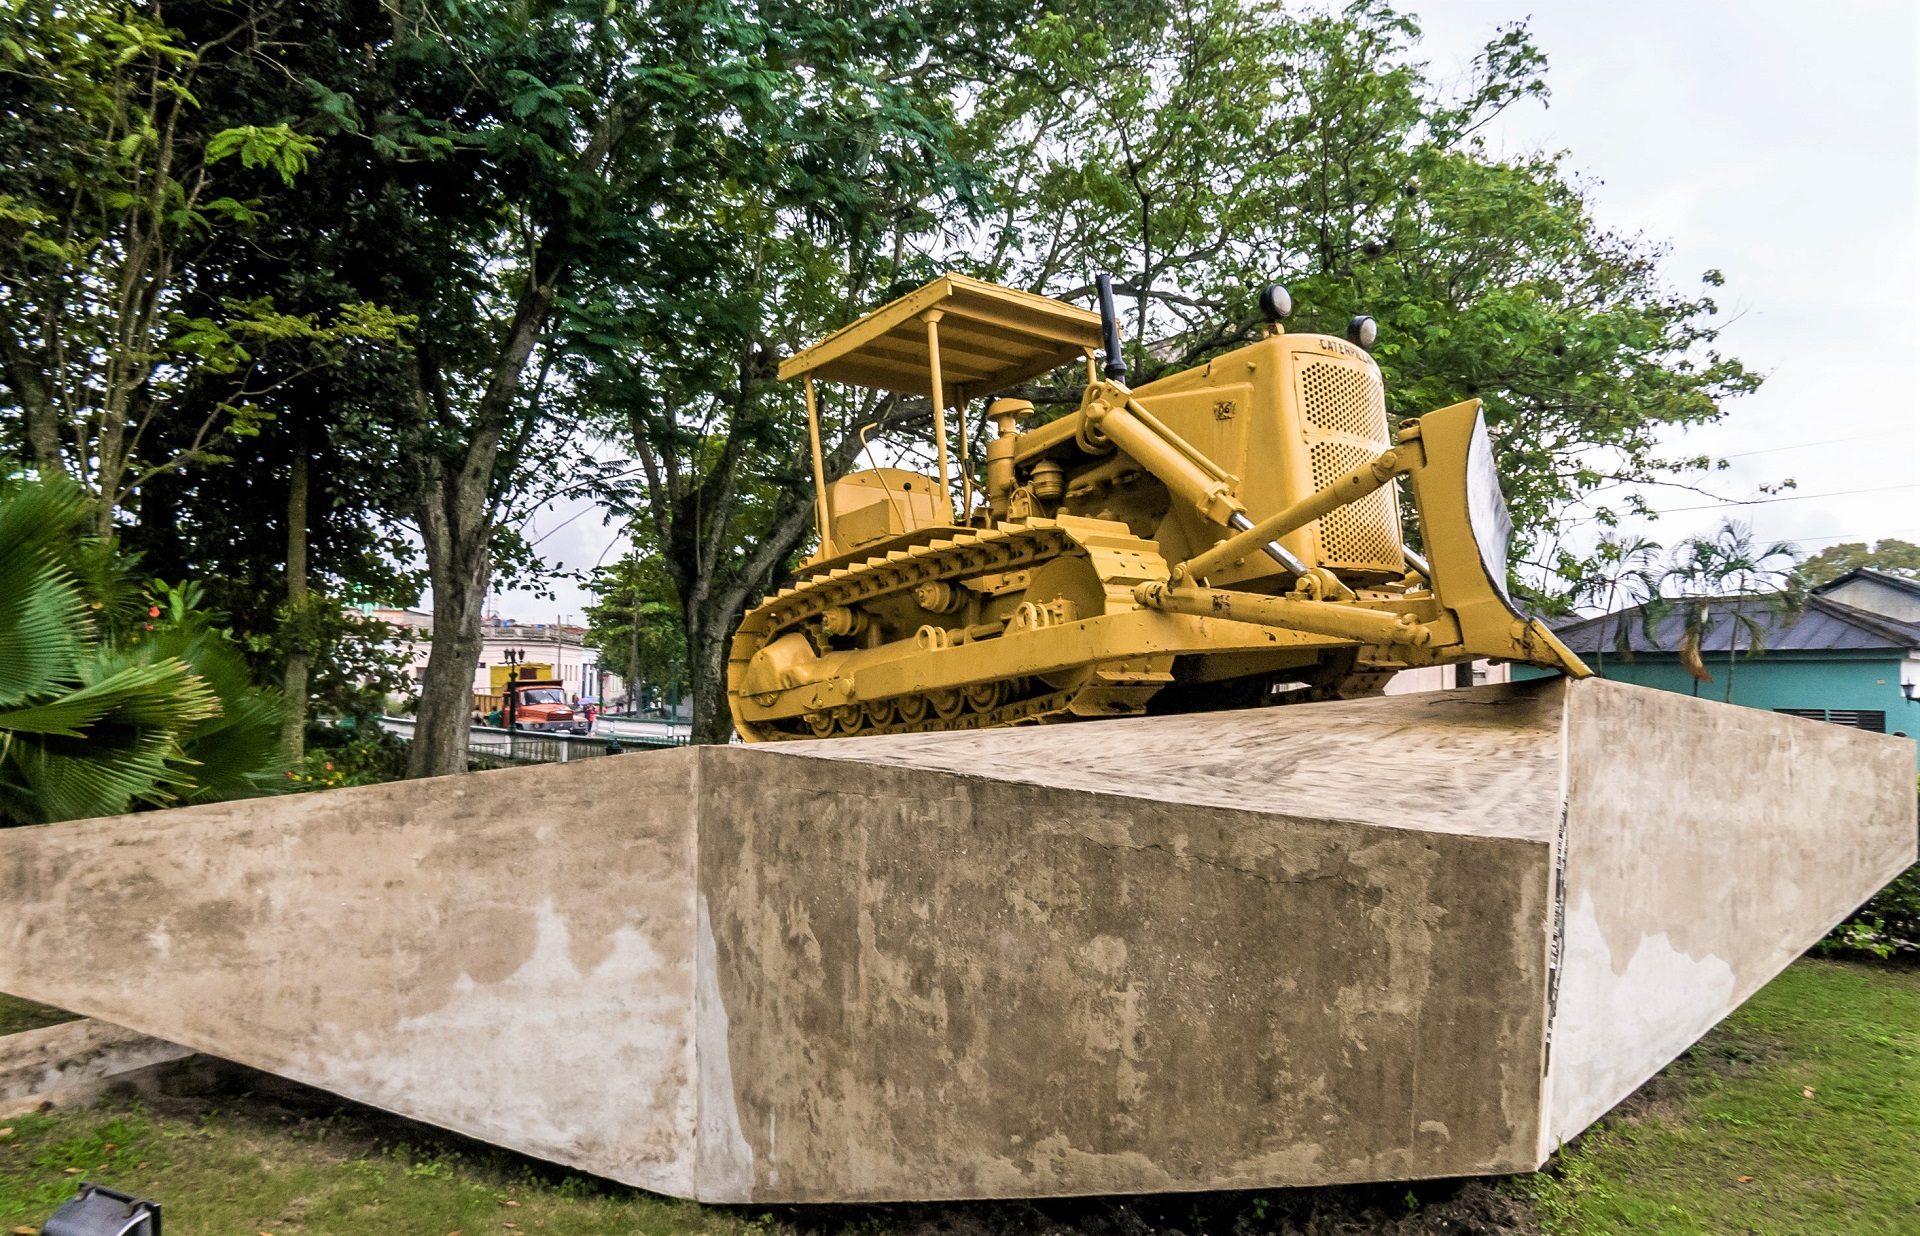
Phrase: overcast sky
(1772, 141)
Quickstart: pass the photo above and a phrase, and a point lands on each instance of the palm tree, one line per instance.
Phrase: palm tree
(1731, 564)
(1627, 579)
(85, 729)
(1689, 577)
(91, 726)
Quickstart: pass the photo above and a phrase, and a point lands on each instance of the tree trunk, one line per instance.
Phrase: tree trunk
(456, 505)
(633, 652)
(293, 684)
(24, 373)
(1733, 638)
(459, 566)
(707, 643)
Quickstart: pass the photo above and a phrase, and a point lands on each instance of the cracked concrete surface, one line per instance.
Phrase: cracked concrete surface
(1290, 946)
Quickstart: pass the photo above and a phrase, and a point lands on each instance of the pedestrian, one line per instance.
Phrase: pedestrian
(493, 716)
(590, 711)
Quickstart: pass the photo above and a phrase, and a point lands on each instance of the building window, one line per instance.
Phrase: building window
(1872, 720)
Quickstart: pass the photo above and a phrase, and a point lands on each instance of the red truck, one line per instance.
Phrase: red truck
(541, 704)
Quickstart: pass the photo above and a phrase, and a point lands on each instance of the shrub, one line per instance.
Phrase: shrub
(1887, 927)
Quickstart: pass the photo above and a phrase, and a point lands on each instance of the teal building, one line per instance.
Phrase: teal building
(1850, 656)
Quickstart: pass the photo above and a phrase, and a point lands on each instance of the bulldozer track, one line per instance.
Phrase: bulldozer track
(1117, 689)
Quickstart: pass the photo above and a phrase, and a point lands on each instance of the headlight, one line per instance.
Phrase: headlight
(1487, 508)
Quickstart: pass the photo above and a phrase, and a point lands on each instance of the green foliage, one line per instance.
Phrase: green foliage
(1624, 578)
(91, 725)
(235, 752)
(116, 193)
(1728, 573)
(274, 147)
(1235, 144)
(362, 755)
(1893, 556)
(1887, 927)
(86, 728)
(17, 1015)
(635, 622)
(356, 662)
(485, 207)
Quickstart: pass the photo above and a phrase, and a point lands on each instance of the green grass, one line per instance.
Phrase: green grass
(253, 1167)
(1800, 1114)
(17, 1015)
(1845, 1160)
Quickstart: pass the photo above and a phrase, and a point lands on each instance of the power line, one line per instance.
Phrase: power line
(1838, 493)
(1858, 437)
(1850, 536)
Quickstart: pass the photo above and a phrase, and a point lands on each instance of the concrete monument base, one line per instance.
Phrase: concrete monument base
(1417, 936)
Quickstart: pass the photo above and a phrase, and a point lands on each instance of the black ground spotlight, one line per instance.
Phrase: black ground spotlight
(99, 1211)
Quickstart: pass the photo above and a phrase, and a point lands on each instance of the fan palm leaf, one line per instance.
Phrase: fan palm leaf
(86, 728)
(236, 750)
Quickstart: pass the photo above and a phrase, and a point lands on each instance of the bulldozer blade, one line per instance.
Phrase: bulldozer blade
(1465, 529)
(1412, 936)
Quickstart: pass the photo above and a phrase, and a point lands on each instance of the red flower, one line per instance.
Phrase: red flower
(153, 611)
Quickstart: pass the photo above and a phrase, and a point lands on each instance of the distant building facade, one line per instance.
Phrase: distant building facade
(1851, 656)
(560, 647)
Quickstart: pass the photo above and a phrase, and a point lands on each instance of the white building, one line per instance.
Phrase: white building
(1447, 677)
(560, 648)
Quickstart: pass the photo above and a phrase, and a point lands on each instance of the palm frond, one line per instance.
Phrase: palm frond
(44, 623)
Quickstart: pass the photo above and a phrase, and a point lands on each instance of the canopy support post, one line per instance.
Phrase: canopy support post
(822, 508)
(939, 397)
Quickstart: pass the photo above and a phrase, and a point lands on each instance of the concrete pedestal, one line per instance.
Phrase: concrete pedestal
(1417, 936)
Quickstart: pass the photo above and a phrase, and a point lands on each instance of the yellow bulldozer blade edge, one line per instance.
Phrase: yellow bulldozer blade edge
(1465, 528)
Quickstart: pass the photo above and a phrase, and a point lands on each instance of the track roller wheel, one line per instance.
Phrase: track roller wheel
(947, 704)
(984, 696)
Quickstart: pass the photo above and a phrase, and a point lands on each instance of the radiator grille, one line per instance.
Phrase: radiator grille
(1345, 415)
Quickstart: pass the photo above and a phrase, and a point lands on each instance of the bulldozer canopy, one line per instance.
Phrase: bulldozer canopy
(990, 338)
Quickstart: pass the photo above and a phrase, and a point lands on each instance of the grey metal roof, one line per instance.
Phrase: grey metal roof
(1823, 626)
(1877, 576)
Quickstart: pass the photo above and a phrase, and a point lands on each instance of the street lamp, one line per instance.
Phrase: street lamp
(514, 657)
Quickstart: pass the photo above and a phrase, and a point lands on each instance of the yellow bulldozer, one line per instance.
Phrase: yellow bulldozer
(1226, 536)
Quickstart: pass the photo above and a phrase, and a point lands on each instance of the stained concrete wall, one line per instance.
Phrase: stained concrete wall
(74, 1062)
(948, 986)
(1289, 946)
(1706, 847)
(510, 955)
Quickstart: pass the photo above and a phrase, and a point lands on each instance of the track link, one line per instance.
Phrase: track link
(1115, 689)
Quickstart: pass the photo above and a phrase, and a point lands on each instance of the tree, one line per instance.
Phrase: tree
(1240, 143)
(517, 160)
(1202, 148)
(1893, 556)
(1625, 580)
(117, 188)
(1755, 582)
(105, 705)
(805, 215)
(635, 622)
